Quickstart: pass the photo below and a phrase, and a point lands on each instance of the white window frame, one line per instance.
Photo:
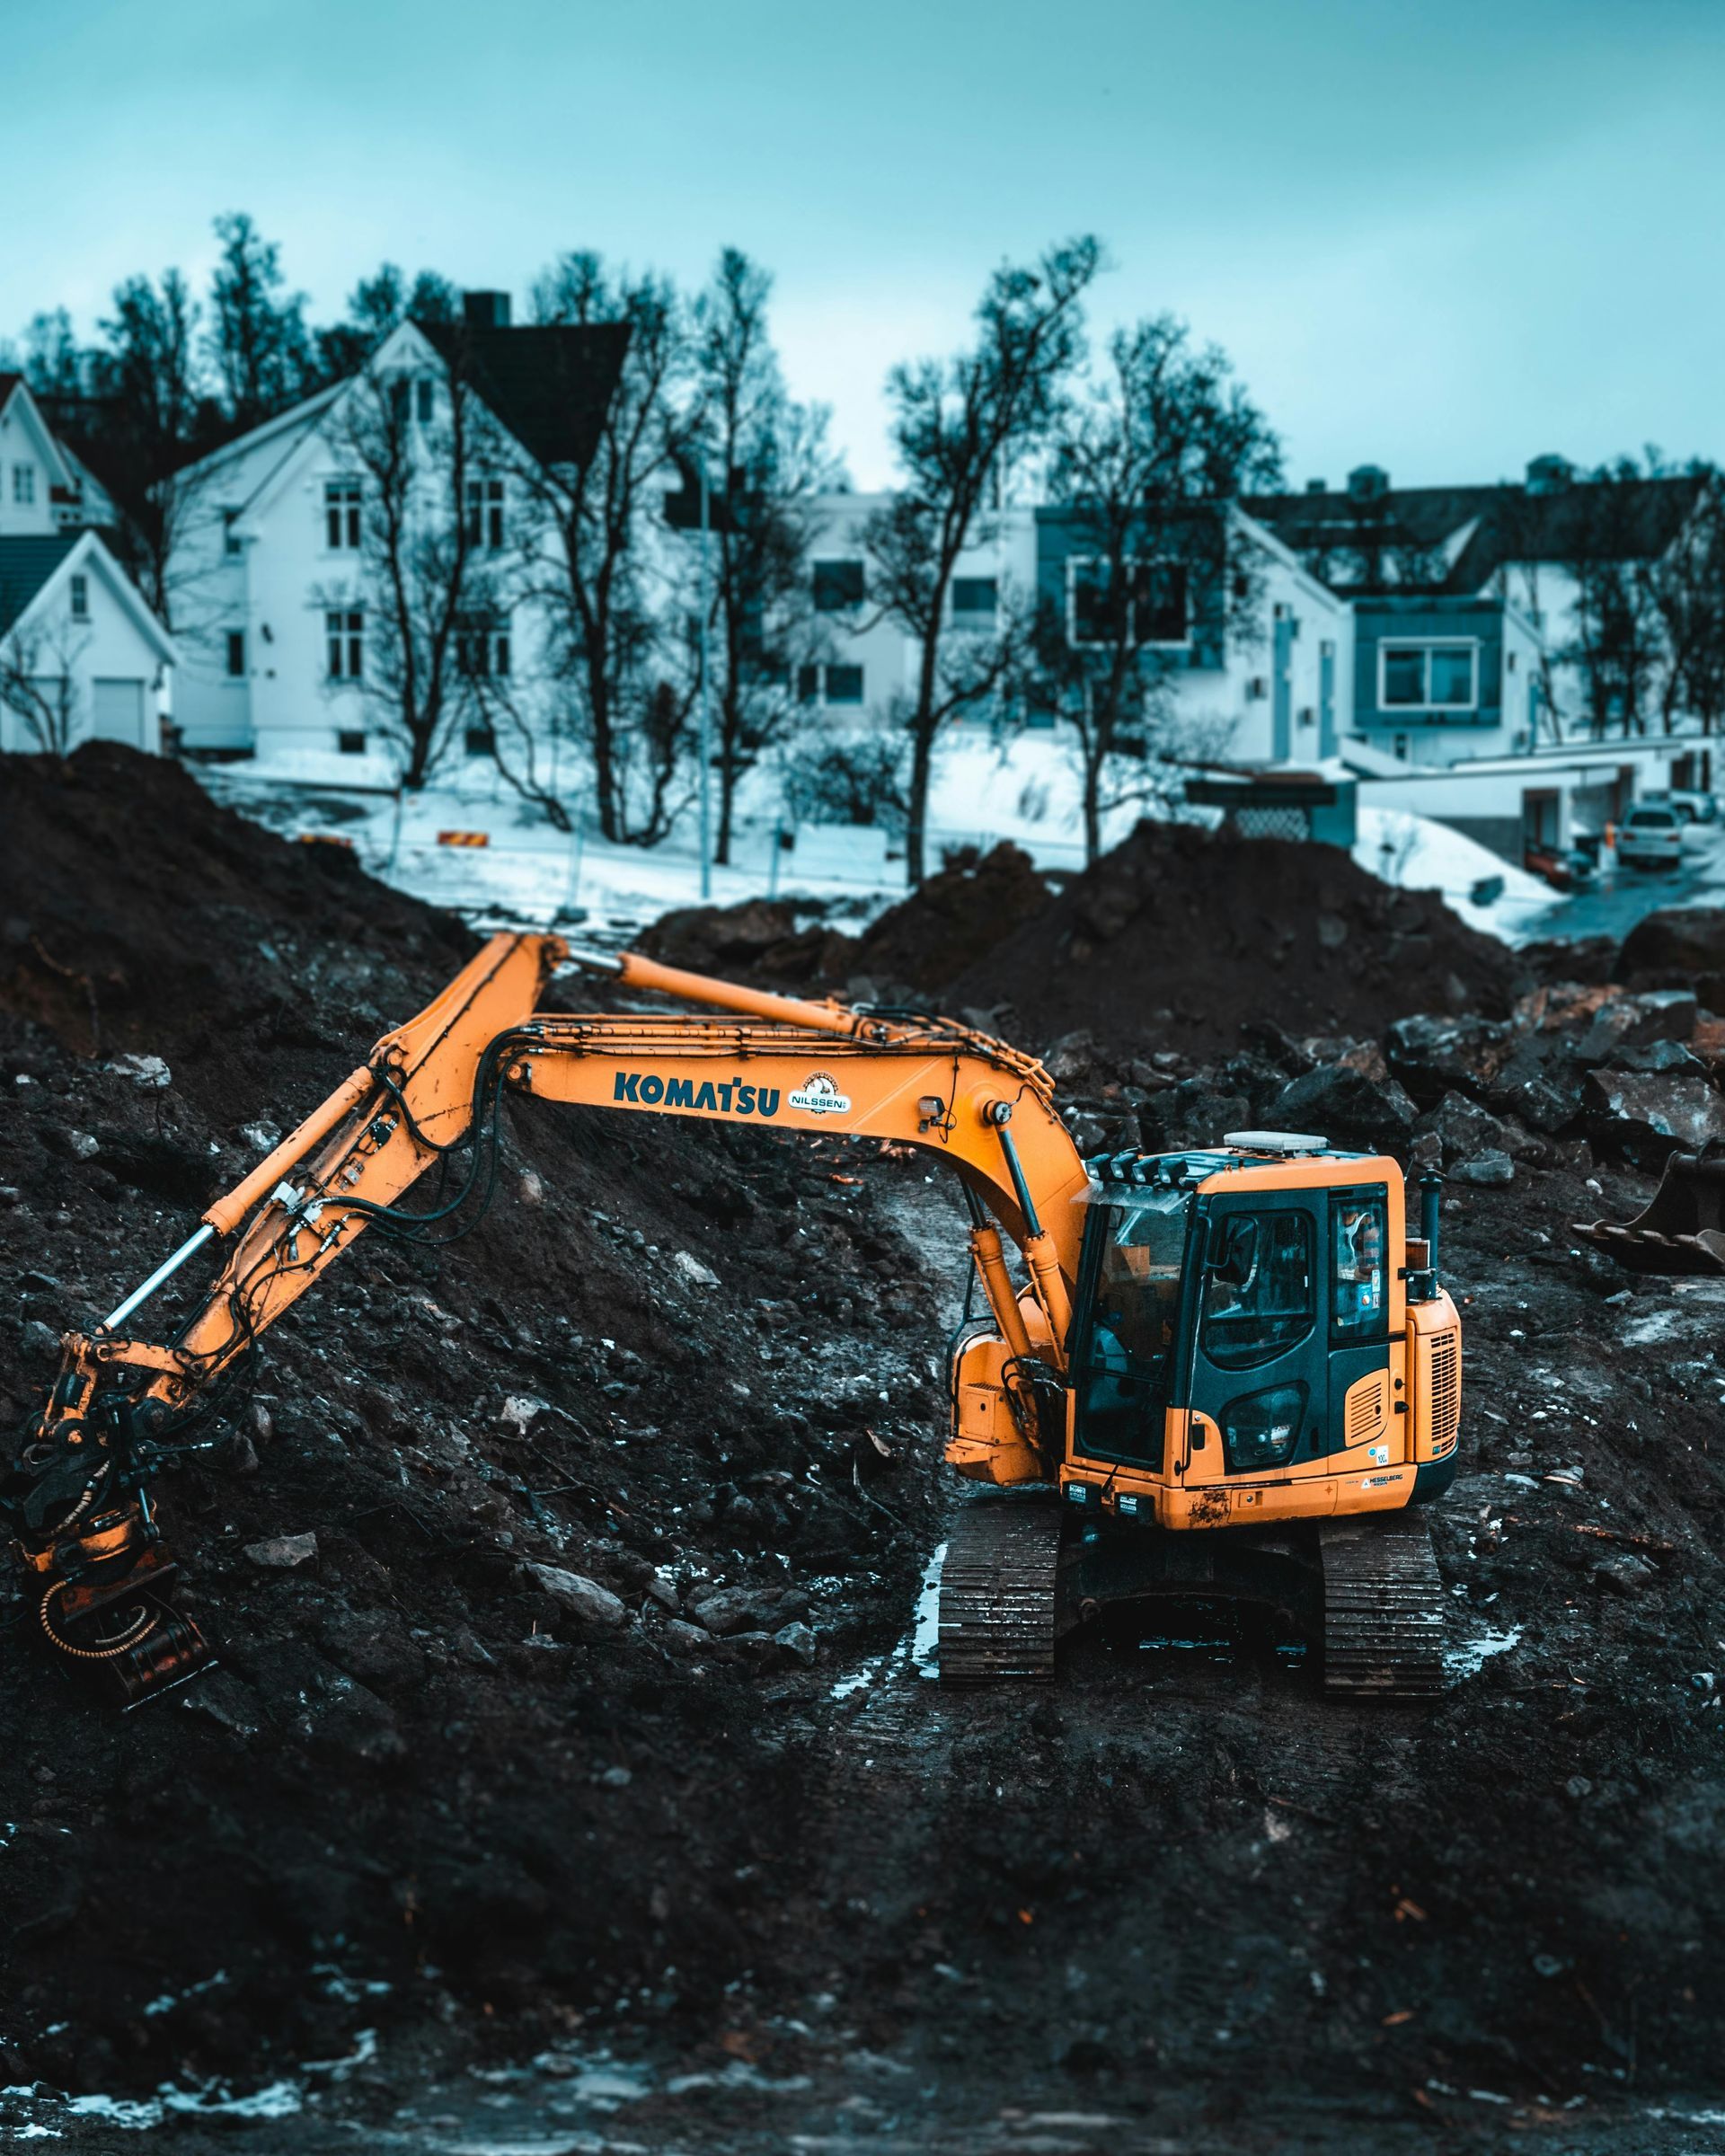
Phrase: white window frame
(821, 700)
(344, 641)
(1075, 562)
(77, 597)
(486, 637)
(23, 486)
(487, 514)
(344, 501)
(1427, 645)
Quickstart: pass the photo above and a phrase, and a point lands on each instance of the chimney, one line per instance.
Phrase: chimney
(485, 310)
(1549, 474)
(1369, 482)
(1317, 486)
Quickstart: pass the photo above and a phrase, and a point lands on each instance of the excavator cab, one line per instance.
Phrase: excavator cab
(1258, 1351)
(1234, 1316)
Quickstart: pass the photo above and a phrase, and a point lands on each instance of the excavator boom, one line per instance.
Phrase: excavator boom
(78, 1494)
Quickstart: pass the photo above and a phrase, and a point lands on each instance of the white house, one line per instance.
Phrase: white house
(43, 486)
(82, 657)
(1270, 691)
(273, 590)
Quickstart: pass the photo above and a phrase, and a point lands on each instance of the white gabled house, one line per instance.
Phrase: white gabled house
(44, 488)
(82, 657)
(279, 632)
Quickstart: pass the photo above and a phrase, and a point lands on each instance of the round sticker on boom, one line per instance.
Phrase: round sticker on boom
(818, 1095)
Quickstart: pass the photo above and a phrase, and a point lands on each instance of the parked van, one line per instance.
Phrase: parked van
(1650, 836)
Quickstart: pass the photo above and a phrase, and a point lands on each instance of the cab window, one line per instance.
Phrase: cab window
(1137, 1295)
(1259, 1296)
(1134, 1327)
(1359, 1293)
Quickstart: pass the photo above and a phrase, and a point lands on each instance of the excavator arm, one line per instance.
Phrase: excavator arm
(430, 1095)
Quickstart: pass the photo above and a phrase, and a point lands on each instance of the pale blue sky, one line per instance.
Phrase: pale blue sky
(1442, 238)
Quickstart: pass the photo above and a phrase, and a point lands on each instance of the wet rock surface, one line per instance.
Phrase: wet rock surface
(445, 1836)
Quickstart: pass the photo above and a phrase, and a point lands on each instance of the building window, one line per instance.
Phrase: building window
(80, 595)
(1147, 606)
(838, 587)
(482, 741)
(830, 685)
(351, 741)
(485, 512)
(235, 653)
(1438, 676)
(427, 390)
(345, 627)
(482, 646)
(975, 602)
(232, 544)
(342, 500)
(23, 485)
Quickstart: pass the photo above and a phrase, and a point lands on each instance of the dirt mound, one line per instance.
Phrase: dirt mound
(1179, 938)
(951, 922)
(420, 1752)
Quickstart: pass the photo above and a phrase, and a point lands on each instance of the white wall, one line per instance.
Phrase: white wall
(23, 449)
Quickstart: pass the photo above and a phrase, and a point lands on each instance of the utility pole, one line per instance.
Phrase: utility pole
(703, 721)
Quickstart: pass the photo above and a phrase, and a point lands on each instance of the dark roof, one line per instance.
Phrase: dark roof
(1629, 520)
(9, 381)
(550, 386)
(25, 566)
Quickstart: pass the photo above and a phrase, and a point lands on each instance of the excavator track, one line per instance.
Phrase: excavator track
(1000, 1592)
(1383, 1607)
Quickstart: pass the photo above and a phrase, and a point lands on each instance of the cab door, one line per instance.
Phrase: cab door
(1260, 1351)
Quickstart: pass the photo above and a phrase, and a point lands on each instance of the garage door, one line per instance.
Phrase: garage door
(117, 713)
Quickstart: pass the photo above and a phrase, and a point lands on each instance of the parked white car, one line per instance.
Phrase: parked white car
(1650, 836)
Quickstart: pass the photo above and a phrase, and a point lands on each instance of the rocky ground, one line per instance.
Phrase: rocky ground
(571, 1779)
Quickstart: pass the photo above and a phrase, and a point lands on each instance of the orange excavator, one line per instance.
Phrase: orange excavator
(1228, 1371)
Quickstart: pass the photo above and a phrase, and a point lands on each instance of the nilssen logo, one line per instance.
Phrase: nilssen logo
(818, 1095)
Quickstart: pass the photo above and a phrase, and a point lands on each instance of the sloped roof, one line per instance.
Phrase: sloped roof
(1625, 520)
(25, 566)
(551, 386)
(9, 380)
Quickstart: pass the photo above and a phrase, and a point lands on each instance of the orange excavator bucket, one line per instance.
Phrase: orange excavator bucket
(1682, 1229)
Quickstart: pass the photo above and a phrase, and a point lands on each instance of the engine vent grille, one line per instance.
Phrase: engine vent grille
(1365, 1411)
(1446, 1388)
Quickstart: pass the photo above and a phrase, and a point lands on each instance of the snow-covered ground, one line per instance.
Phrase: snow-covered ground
(528, 875)
(1421, 855)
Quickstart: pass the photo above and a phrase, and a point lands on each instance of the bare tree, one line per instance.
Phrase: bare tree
(38, 670)
(957, 426)
(764, 456)
(150, 419)
(1616, 633)
(624, 681)
(1686, 585)
(430, 536)
(1148, 466)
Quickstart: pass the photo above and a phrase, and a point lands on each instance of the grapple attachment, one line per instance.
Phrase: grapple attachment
(1682, 1230)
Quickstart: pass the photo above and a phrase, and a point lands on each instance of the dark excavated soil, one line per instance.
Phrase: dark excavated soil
(1174, 1901)
(1180, 936)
